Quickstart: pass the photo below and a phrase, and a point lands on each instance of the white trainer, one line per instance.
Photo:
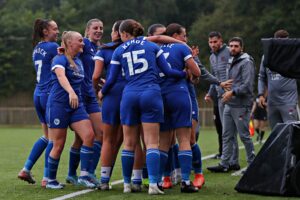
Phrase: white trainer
(153, 190)
(127, 188)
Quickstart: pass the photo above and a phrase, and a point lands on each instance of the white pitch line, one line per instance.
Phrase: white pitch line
(74, 194)
(238, 173)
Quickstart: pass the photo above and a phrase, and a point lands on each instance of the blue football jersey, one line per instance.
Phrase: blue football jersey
(89, 51)
(105, 55)
(176, 54)
(42, 56)
(137, 57)
(75, 76)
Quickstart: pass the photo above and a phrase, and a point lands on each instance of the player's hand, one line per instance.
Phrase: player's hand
(227, 96)
(60, 50)
(195, 80)
(74, 103)
(262, 102)
(102, 80)
(100, 95)
(207, 98)
(226, 85)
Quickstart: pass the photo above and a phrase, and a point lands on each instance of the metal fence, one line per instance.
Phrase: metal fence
(27, 116)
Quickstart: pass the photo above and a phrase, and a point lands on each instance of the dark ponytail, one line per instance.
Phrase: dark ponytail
(152, 29)
(39, 26)
(118, 41)
(132, 27)
(174, 28)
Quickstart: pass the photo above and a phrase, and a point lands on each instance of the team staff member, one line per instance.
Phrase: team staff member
(218, 60)
(282, 92)
(141, 99)
(93, 35)
(45, 33)
(65, 108)
(238, 104)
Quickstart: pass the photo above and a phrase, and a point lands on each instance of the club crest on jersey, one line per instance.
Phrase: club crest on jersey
(56, 121)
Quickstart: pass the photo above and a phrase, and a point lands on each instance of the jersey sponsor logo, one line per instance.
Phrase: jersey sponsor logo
(77, 74)
(56, 121)
(77, 71)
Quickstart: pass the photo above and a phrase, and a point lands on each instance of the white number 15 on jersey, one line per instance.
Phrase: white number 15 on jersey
(132, 58)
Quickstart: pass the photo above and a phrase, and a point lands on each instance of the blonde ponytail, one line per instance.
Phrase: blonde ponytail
(67, 36)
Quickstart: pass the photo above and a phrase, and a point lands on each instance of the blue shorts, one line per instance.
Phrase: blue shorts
(111, 105)
(142, 106)
(91, 105)
(40, 102)
(195, 109)
(177, 110)
(59, 115)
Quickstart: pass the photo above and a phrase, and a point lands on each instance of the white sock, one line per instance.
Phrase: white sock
(26, 170)
(153, 184)
(127, 184)
(178, 172)
(105, 172)
(137, 174)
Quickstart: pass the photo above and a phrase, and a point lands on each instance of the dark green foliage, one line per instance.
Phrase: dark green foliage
(251, 20)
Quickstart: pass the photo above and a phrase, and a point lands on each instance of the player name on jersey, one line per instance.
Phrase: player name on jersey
(134, 41)
(40, 51)
(168, 45)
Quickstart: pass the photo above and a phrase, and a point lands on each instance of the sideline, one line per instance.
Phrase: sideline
(75, 194)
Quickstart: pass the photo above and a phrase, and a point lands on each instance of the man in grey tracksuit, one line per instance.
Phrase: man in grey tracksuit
(238, 104)
(218, 61)
(282, 92)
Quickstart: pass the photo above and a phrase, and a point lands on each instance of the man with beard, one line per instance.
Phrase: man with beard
(219, 57)
(238, 103)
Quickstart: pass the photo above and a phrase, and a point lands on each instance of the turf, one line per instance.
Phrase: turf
(16, 143)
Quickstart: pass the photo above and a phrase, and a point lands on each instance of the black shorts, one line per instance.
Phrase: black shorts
(260, 114)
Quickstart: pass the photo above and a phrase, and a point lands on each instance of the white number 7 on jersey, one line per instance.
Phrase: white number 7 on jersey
(39, 64)
(132, 58)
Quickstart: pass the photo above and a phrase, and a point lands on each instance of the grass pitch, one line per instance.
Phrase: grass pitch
(16, 143)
